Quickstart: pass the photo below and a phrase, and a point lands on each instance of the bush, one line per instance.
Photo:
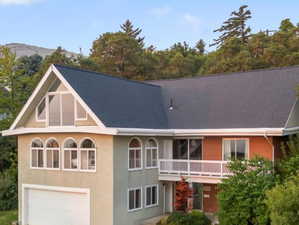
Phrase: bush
(181, 218)
(242, 196)
(8, 190)
(283, 203)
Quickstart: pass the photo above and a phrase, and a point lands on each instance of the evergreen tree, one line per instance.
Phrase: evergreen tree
(128, 28)
(235, 26)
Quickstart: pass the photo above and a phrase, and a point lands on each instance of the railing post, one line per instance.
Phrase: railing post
(221, 169)
(188, 167)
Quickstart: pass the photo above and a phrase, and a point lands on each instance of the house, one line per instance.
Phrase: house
(94, 149)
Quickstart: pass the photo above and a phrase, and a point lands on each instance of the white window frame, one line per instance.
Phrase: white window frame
(87, 149)
(148, 148)
(70, 149)
(37, 148)
(36, 110)
(141, 199)
(60, 93)
(46, 155)
(247, 141)
(76, 115)
(157, 197)
(135, 149)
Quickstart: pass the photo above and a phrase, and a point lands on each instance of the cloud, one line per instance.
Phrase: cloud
(193, 21)
(17, 2)
(162, 11)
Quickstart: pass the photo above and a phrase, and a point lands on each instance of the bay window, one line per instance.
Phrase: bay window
(52, 154)
(70, 154)
(88, 155)
(37, 154)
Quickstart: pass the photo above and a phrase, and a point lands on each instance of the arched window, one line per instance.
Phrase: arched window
(52, 154)
(151, 152)
(37, 153)
(135, 154)
(88, 155)
(70, 150)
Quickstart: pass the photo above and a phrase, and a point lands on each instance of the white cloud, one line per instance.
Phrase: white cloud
(193, 21)
(17, 2)
(162, 11)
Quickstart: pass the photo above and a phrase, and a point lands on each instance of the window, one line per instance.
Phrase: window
(37, 154)
(80, 112)
(61, 109)
(70, 154)
(151, 152)
(88, 155)
(41, 110)
(134, 199)
(151, 195)
(188, 149)
(135, 154)
(235, 149)
(52, 154)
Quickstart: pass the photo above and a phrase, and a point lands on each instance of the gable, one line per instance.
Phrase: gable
(293, 120)
(54, 103)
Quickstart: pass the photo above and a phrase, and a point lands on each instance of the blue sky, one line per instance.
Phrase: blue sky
(76, 23)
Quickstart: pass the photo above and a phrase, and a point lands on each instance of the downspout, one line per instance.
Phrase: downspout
(270, 142)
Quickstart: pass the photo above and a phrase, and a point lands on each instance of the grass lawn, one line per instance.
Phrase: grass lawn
(7, 217)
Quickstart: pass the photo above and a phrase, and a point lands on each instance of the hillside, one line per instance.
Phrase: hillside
(27, 50)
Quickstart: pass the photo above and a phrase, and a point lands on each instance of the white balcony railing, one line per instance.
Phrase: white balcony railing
(206, 168)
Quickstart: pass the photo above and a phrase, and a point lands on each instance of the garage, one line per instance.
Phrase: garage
(55, 206)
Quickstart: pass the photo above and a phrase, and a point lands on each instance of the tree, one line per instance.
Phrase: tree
(235, 27)
(242, 195)
(128, 28)
(118, 54)
(182, 193)
(200, 46)
(283, 202)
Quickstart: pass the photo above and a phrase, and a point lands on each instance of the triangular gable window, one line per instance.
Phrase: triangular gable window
(59, 108)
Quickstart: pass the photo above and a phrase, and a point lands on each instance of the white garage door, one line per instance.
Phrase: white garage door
(49, 207)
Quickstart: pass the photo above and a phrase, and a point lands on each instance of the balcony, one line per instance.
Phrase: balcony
(193, 168)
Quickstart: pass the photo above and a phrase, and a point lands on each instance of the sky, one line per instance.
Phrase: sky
(75, 24)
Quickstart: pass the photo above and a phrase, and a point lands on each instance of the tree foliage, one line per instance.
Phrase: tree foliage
(283, 202)
(242, 196)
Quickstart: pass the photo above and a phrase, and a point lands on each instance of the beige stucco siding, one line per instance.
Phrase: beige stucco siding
(100, 182)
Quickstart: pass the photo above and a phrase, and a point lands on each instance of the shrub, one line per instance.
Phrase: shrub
(8, 190)
(242, 196)
(283, 203)
(181, 218)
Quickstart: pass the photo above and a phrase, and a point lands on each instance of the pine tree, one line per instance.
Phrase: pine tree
(235, 26)
(128, 28)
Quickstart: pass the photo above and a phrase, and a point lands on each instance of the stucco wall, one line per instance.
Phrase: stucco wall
(124, 179)
(100, 182)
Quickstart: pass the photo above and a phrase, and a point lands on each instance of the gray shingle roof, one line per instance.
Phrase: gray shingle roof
(118, 102)
(255, 99)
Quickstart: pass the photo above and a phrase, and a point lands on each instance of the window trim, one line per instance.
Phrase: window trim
(36, 110)
(141, 198)
(70, 149)
(133, 149)
(35, 148)
(247, 141)
(151, 148)
(157, 197)
(76, 115)
(52, 149)
(87, 149)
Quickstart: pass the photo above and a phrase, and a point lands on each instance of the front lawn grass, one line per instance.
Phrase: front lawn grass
(7, 217)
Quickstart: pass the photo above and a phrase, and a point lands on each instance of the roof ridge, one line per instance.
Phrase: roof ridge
(201, 76)
(107, 75)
